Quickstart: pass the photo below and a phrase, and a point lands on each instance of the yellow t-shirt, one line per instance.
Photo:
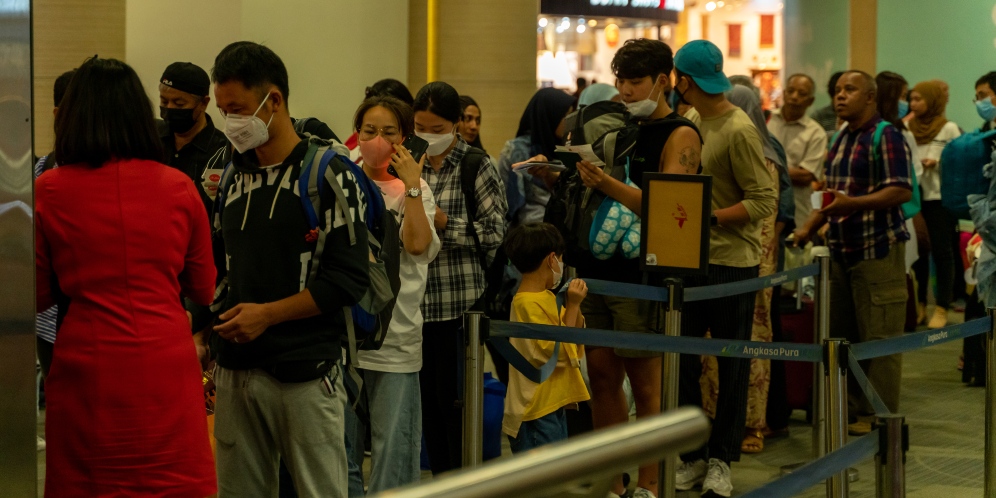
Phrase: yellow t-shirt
(526, 400)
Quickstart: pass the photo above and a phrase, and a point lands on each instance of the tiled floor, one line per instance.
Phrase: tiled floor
(946, 436)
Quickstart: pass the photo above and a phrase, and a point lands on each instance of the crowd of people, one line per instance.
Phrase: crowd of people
(147, 236)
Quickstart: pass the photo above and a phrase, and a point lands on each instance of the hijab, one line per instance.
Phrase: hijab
(926, 126)
(542, 116)
(597, 92)
(745, 99)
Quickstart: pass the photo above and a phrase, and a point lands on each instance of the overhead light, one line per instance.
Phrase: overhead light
(592, 23)
(720, 4)
(543, 22)
(581, 28)
(711, 6)
(580, 20)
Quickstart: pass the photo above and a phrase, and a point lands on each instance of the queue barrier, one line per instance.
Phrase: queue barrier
(888, 442)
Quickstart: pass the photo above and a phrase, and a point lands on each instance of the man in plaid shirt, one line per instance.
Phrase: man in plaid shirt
(866, 237)
(456, 277)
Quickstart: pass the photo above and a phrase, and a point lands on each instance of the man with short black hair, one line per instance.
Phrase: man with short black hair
(190, 141)
(666, 143)
(279, 384)
(867, 237)
(743, 194)
(826, 116)
(985, 99)
(805, 141)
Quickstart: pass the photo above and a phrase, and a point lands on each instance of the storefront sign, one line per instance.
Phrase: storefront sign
(662, 10)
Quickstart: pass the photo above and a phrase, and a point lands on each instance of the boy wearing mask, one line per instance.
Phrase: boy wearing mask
(534, 413)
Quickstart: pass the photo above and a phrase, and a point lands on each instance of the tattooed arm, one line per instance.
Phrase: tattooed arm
(682, 154)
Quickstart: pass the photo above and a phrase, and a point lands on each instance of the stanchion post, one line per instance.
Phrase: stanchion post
(890, 461)
(835, 384)
(666, 470)
(473, 390)
(990, 487)
(821, 329)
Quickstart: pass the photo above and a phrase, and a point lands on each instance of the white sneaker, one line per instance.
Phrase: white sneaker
(41, 443)
(643, 493)
(689, 475)
(717, 480)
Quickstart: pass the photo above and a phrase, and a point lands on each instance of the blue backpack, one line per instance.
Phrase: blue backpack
(368, 320)
(962, 162)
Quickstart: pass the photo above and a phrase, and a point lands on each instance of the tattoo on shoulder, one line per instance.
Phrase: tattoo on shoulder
(689, 158)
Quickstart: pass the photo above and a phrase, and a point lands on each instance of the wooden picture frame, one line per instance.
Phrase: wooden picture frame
(674, 236)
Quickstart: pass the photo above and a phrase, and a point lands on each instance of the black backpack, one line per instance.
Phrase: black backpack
(572, 206)
(496, 302)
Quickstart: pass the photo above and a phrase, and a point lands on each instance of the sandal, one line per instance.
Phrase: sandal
(753, 441)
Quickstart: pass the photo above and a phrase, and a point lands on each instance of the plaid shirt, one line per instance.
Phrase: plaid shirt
(456, 279)
(865, 235)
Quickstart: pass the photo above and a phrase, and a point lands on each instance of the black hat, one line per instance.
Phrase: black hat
(187, 77)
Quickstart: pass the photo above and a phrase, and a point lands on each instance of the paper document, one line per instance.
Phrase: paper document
(584, 151)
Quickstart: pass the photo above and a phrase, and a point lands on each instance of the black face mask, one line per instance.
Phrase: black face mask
(681, 96)
(178, 120)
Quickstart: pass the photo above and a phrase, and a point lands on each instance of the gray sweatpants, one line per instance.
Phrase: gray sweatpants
(258, 420)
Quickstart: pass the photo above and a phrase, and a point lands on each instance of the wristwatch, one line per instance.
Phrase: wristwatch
(413, 192)
(713, 221)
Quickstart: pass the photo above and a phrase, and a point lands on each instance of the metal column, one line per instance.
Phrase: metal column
(473, 391)
(890, 462)
(18, 418)
(990, 475)
(669, 381)
(835, 378)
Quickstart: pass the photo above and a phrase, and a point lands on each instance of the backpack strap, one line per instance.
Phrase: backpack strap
(470, 168)
(316, 168)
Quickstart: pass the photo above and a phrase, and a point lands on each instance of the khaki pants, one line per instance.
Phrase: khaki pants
(258, 420)
(868, 303)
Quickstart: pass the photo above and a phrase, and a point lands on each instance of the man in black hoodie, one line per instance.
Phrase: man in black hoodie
(279, 386)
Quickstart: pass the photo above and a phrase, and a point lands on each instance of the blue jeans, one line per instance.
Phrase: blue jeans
(544, 430)
(395, 408)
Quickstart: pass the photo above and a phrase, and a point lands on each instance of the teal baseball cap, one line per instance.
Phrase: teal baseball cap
(703, 62)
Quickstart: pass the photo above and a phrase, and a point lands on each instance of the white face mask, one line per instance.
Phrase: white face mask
(438, 142)
(645, 107)
(558, 276)
(247, 132)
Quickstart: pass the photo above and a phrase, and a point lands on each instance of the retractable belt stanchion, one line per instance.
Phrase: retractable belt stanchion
(835, 384)
(990, 486)
(821, 332)
(473, 390)
(890, 462)
(669, 380)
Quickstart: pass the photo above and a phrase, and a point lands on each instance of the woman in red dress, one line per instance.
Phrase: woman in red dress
(120, 237)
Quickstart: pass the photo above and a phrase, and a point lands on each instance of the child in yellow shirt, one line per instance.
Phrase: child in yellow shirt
(534, 413)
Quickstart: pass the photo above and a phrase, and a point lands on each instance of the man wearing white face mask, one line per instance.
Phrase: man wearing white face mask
(279, 386)
(667, 143)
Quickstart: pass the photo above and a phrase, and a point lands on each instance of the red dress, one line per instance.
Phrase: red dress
(125, 405)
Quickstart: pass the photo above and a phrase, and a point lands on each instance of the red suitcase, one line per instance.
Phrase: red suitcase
(797, 327)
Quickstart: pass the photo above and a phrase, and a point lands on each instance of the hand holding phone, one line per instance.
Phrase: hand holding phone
(416, 147)
(404, 167)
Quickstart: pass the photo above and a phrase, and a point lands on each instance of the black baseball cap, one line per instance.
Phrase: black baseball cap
(187, 77)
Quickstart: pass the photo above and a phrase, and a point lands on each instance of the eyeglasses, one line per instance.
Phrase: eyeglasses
(390, 133)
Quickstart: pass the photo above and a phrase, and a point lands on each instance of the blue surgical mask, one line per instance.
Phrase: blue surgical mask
(986, 109)
(904, 108)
